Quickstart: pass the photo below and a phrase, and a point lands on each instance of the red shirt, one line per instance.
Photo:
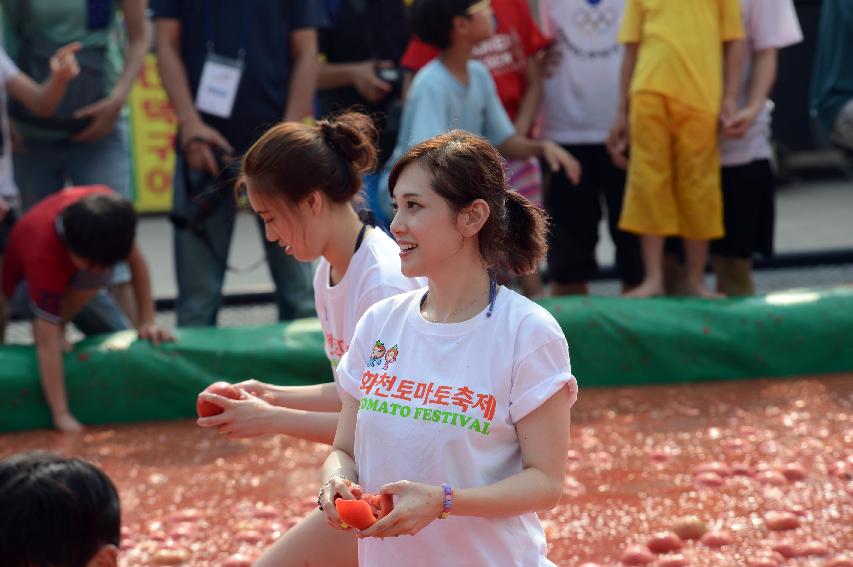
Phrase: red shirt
(505, 54)
(37, 255)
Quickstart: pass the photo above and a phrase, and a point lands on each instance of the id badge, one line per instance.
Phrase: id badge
(217, 90)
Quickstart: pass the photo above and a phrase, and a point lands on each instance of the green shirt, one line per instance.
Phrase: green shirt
(62, 22)
(832, 78)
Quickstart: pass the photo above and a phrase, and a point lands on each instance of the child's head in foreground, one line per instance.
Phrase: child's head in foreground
(57, 512)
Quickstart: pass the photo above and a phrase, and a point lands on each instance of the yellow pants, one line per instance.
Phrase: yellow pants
(674, 173)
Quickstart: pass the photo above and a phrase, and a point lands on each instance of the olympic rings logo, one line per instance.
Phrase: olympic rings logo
(595, 20)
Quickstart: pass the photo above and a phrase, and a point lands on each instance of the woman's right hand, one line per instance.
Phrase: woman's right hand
(337, 487)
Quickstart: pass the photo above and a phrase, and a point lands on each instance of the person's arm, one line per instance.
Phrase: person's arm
(251, 416)
(316, 397)
(195, 137)
(762, 77)
(48, 338)
(732, 66)
(361, 76)
(303, 80)
(617, 141)
(533, 91)
(105, 112)
(520, 147)
(140, 279)
(544, 438)
(340, 470)
(43, 99)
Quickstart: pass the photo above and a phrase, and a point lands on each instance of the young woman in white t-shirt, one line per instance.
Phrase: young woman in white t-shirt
(469, 419)
(301, 180)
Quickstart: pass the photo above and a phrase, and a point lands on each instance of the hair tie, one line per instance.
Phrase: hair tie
(327, 131)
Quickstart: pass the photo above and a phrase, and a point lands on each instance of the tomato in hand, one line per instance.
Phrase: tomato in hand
(363, 513)
(355, 513)
(206, 409)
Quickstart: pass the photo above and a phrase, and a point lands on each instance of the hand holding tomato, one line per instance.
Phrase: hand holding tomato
(266, 392)
(240, 416)
(210, 400)
(359, 512)
(335, 488)
(415, 507)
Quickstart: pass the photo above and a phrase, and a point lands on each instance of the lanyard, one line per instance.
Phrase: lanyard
(245, 22)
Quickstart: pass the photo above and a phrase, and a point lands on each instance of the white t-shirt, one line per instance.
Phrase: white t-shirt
(8, 71)
(373, 274)
(768, 24)
(582, 96)
(439, 403)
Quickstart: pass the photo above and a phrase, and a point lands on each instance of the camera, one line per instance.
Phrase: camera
(394, 77)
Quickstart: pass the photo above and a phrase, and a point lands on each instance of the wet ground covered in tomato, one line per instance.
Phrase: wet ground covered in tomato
(765, 466)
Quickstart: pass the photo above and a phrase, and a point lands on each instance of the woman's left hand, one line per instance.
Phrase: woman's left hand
(247, 417)
(416, 505)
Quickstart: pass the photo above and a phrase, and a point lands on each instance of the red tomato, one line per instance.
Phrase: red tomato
(379, 503)
(637, 555)
(206, 409)
(664, 542)
(355, 513)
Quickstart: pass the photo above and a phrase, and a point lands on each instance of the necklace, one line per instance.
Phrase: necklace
(452, 313)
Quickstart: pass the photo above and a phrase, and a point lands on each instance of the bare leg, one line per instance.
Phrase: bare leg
(312, 543)
(734, 275)
(674, 276)
(652, 284)
(696, 252)
(579, 288)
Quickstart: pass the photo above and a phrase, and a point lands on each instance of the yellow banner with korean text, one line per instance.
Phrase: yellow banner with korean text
(153, 128)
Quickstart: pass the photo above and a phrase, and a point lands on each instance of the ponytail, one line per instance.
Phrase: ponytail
(523, 236)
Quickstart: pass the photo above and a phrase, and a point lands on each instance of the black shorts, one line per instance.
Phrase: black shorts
(749, 211)
(575, 212)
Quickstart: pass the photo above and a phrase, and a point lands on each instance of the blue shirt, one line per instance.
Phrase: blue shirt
(266, 26)
(438, 103)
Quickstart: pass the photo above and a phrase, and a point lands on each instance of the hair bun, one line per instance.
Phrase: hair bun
(352, 136)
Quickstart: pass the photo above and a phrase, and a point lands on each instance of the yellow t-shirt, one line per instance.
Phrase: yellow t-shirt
(680, 53)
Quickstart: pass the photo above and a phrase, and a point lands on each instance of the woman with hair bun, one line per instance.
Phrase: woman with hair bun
(302, 181)
(468, 428)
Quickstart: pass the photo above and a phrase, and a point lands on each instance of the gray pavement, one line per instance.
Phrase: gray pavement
(811, 216)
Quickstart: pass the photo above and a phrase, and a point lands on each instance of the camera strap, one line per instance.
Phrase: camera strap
(198, 223)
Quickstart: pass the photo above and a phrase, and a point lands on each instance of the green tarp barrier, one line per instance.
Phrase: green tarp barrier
(613, 341)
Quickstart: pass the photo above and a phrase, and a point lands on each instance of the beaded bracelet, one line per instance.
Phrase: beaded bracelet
(323, 488)
(448, 500)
